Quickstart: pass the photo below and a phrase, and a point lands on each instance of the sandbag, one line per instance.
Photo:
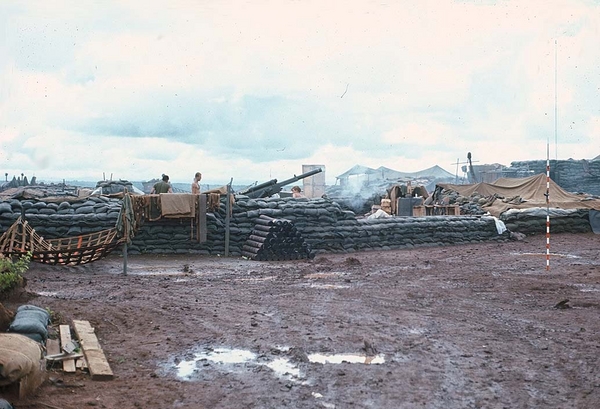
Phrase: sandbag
(19, 355)
(4, 404)
(31, 320)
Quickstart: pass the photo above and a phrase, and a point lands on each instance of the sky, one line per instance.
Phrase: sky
(253, 90)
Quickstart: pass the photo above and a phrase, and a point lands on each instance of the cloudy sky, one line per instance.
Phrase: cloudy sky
(252, 90)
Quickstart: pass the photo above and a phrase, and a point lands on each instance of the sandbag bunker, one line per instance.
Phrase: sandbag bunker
(318, 225)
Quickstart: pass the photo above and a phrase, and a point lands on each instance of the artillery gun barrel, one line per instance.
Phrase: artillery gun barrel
(257, 187)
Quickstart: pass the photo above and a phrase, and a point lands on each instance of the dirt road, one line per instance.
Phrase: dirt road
(447, 327)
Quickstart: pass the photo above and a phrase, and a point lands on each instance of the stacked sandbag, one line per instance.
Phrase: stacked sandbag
(533, 220)
(323, 224)
(326, 227)
(19, 356)
(32, 322)
(572, 175)
(62, 219)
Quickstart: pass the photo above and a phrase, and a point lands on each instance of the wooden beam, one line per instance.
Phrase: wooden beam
(202, 227)
(94, 356)
(65, 338)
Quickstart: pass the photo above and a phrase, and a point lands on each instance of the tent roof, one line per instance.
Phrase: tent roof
(531, 189)
(356, 170)
(435, 172)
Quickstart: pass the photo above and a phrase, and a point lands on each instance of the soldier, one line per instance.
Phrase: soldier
(196, 183)
(162, 187)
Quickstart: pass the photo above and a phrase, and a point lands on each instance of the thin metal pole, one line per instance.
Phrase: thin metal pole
(548, 160)
(547, 207)
(555, 101)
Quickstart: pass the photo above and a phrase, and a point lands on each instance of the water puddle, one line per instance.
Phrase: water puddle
(324, 275)
(219, 355)
(47, 293)
(544, 254)
(255, 279)
(329, 286)
(347, 358)
(284, 368)
(231, 359)
(586, 288)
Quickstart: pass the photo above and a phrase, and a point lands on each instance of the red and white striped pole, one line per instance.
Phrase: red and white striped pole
(548, 213)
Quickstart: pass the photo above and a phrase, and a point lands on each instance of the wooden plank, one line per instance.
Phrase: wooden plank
(202, 227)
(94, 356)
(81, 363)
(53, 346)
(65, 338)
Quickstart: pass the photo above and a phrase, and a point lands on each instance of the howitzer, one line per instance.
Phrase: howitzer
(271, 187)
(257, 187)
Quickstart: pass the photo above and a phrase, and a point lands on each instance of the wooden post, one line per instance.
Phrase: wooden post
(125, 232)
(227, 217)
(202, 228)
(125, 259)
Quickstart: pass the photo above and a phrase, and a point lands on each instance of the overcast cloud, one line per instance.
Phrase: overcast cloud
(254, 90)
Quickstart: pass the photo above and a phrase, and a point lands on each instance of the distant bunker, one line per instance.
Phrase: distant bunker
(323, 225)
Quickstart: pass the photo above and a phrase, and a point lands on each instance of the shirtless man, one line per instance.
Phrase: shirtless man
(196, 184)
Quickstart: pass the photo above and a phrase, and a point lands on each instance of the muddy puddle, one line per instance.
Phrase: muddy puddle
(239, 360)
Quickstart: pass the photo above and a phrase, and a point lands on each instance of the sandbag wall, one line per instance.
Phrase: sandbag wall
(533, 221)
(323, 224)
(53, 220)
(571, 175)
(326, 227)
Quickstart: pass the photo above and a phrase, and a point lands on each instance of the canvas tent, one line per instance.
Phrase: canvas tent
(531, 190)
(368, 174)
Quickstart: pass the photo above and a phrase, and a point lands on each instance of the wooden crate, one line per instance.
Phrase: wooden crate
(453, 210)
(418, 211)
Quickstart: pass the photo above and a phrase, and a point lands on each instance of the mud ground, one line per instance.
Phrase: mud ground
(470, 326)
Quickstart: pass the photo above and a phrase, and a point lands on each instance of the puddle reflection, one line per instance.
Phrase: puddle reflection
(282, 367)
(47, 293)
(219, 355)
(349, 358)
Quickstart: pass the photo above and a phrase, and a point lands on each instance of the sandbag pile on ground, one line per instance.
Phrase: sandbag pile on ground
(68, 218)
(19, 356)
(32, 322)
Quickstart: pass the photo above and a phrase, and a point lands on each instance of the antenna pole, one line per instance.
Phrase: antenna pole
(555, 102)
(548, 161)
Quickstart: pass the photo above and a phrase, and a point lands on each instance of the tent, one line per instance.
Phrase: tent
(531, 190)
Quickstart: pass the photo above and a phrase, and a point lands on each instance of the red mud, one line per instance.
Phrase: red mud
(451, 327)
